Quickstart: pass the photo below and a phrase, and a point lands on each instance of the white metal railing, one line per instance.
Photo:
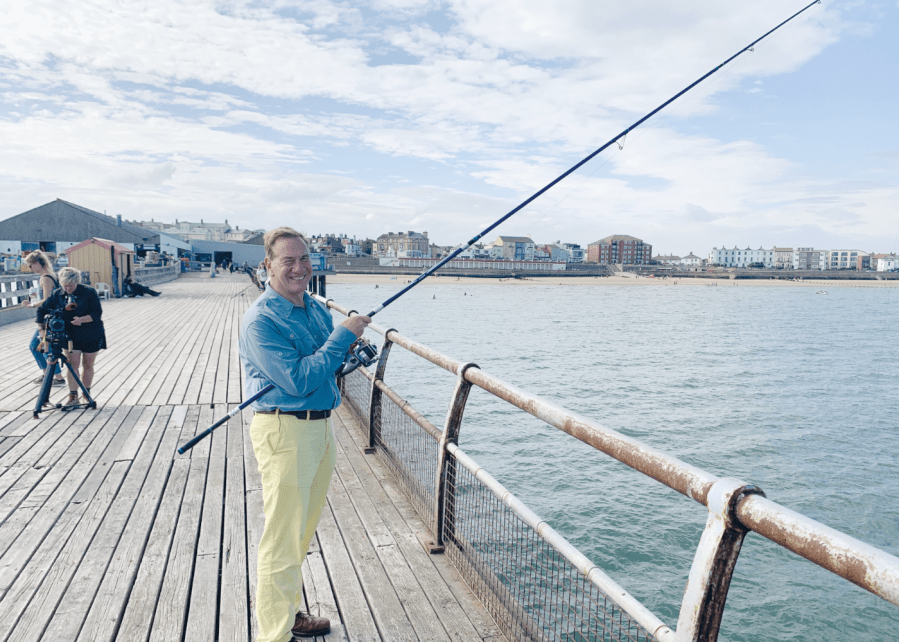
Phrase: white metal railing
(734, 507)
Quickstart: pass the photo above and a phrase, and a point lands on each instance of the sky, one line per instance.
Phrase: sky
(361, 118)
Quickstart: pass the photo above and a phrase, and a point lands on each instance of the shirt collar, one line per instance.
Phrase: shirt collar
(280, 304)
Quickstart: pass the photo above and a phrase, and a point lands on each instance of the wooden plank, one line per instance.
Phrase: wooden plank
(174, 596)
(421, 614)
(387, 609)
(255, 524)
(28, 605)
(5, 444)
(354, 441)
(235, 608)
(140, 608)
(202, 364)
(320, 596)
(202, 614)
(112, 594)
(453, 615)
(25, 534)
(354, 610)
(217, 384)
(78, 598)
(234, 602)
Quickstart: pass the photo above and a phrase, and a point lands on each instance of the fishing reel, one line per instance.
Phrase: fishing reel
(362, 353)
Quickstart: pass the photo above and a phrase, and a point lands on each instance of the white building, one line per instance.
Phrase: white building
(806, 258)
(737, 257)
(691, 260)
(783, 258)
(888, 263)
(847, 259)
(667, 259)
(202, 231)
(403, 245)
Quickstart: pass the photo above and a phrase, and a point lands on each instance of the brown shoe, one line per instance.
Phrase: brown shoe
(72, 400)
(307, 626)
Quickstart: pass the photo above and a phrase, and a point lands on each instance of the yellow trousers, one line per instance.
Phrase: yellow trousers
(296, 459)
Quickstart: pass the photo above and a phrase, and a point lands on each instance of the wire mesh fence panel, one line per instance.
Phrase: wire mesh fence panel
(529, 588)
(356, 391)
(411, 454)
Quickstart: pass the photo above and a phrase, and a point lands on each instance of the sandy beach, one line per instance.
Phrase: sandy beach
(822, 284)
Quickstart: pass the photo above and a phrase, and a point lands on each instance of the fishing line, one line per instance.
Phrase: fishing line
(620, 137)
(653, 125)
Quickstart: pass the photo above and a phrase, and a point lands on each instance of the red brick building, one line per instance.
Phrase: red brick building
(619, 248)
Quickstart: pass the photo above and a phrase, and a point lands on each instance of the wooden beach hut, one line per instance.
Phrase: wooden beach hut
(97, 257)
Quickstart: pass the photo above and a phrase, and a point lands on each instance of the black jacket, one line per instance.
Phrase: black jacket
(86, 303)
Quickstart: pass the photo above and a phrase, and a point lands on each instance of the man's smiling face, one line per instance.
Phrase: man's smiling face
(290, 269)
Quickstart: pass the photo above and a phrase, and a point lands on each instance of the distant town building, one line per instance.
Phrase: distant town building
(875, 260)
(807, 258)
(475, 264)
(567, 252)
(351, 247)
(783, 258)
(406, 245)
(202, 231)
(515, 248)
(691, 260)
(619, 248)
(667, 259)
(887, 263)
(848, 260)
(737, 257)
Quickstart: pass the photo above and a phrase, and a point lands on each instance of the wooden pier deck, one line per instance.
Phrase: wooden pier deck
(106, 533)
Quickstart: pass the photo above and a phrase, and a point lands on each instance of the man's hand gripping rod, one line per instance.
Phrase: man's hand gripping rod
(368, 357)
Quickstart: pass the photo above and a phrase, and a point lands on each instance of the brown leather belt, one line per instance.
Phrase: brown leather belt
(305, 415)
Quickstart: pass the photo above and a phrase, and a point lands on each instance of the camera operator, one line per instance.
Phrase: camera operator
(84, 327)
(40, 264)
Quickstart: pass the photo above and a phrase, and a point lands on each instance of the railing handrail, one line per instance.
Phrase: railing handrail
(870, 568)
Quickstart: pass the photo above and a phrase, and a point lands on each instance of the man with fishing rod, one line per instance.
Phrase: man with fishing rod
(288, 340)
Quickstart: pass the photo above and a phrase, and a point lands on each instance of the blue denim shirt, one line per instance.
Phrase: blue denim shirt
(297, 349)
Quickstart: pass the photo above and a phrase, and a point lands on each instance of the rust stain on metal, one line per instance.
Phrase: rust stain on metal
(861, 564)
(663, 468)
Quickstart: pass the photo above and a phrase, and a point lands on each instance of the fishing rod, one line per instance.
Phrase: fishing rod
(580, 163)
(365, 353)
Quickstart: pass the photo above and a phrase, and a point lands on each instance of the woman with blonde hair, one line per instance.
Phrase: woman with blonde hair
(40, 264)
(84, 327)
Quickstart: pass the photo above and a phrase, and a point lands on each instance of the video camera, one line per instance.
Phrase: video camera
(55, 327)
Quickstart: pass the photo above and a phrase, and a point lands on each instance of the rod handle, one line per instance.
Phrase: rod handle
(193, 442)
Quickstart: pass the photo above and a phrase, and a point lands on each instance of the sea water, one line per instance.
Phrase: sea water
(778, 386)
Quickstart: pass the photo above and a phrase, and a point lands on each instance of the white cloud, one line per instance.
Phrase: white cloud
(264, 111)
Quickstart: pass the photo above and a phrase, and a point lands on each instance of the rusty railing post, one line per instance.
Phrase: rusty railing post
(714, 562)
(374, 400)
(444, 507)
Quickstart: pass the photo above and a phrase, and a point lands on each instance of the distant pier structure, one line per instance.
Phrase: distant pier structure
(317, 283)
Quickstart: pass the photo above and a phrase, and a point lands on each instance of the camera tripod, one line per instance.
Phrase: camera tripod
(43, 399)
